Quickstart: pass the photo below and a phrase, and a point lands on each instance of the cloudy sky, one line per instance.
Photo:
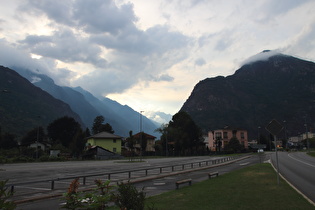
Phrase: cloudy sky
(149, 54)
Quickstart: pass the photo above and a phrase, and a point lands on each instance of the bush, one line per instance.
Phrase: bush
(99, 198)
(128, 197)
(4, 196)
(22, 159)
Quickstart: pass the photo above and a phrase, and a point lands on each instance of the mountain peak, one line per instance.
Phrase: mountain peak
(262, 56)
(275, 87)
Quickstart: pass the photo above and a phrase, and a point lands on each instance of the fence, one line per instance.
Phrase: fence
(128, 174)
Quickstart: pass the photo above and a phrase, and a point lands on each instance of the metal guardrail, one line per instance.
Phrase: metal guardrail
(129, 173)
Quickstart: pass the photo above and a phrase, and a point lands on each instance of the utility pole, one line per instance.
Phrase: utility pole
(141, 135)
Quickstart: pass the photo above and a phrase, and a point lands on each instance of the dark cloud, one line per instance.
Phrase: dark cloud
(157, 39)
(85, 29)
(64, 45)
(99, 16)
(58, 11)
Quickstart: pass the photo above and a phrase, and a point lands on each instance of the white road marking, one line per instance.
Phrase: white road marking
(301, 161)
(244, 164)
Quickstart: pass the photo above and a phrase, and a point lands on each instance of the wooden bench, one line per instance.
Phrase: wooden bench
(182, 182)
(213, 174)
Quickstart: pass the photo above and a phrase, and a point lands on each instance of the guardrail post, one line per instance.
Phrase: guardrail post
(172, 168)
(160, 170)
(108, 177)
(52, 184)
(84, 180)
(12, 189)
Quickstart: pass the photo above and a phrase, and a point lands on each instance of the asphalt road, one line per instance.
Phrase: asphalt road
(299, 169)
(19, 172)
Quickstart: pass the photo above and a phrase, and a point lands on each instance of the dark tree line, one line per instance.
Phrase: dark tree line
(181, 136)
(63, 133)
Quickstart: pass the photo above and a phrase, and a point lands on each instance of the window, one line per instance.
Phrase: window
(234, 133)
(225, 135)
(114, 140)
(242, 135)
(218, 135)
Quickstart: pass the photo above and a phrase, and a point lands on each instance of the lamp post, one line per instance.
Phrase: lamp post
(258, 137)
(141, 134)
(307, 141)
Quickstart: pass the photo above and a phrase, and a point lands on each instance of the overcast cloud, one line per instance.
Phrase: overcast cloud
(150, 54)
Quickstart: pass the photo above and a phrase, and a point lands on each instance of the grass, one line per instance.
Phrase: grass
(311, 153)
(253, 187)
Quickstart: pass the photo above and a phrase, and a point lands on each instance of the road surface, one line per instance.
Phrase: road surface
(298, 168)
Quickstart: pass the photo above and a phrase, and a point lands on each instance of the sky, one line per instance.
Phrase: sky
(149, 55)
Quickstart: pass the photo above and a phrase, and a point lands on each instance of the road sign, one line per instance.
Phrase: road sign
(274, 127)
(258, 146)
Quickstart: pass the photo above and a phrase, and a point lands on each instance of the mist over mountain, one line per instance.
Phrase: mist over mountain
(24, 106)
(268, 86)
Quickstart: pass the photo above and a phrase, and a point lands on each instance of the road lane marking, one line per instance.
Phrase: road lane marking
(301, 161)
(244, 164)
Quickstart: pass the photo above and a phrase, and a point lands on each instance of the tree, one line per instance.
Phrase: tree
(107, 128)
(99, 126)
(130, 144)
(164, 142)
(186, 135)
(8, 141)
(63, 130)
(234, 145)
(78, 143)
(36, 134)
(143, 141)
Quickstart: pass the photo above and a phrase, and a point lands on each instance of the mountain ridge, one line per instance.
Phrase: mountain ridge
(280, 87)
(24, 106)
(121, 117)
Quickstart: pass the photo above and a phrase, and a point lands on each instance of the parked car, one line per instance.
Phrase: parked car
(260, 150)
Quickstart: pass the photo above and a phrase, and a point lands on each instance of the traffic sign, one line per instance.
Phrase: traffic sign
(274, 127)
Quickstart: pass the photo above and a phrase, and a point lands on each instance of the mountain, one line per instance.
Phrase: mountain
(76, 100)
(87, 106)
(24, 106)
(277, 87)
(122, 117)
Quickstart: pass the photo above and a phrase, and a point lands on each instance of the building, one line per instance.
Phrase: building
(150, 141)
(106, 140)
(99, 153)
(218, 139)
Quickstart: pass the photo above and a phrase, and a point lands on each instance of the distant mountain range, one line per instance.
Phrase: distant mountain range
(24, 106)
(82, 104)
(278, 87)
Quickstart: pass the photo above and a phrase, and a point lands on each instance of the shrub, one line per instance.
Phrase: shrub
(99, 198)
(128, 197)
(72, 197)
(4, 196)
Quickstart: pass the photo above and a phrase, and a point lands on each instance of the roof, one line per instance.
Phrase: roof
(137, 135)
(104, 135)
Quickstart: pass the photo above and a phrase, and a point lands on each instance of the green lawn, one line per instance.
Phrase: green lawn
(253, 187)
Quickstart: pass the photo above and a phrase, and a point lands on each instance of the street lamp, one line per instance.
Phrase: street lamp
(285, 133)
(141, 134)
